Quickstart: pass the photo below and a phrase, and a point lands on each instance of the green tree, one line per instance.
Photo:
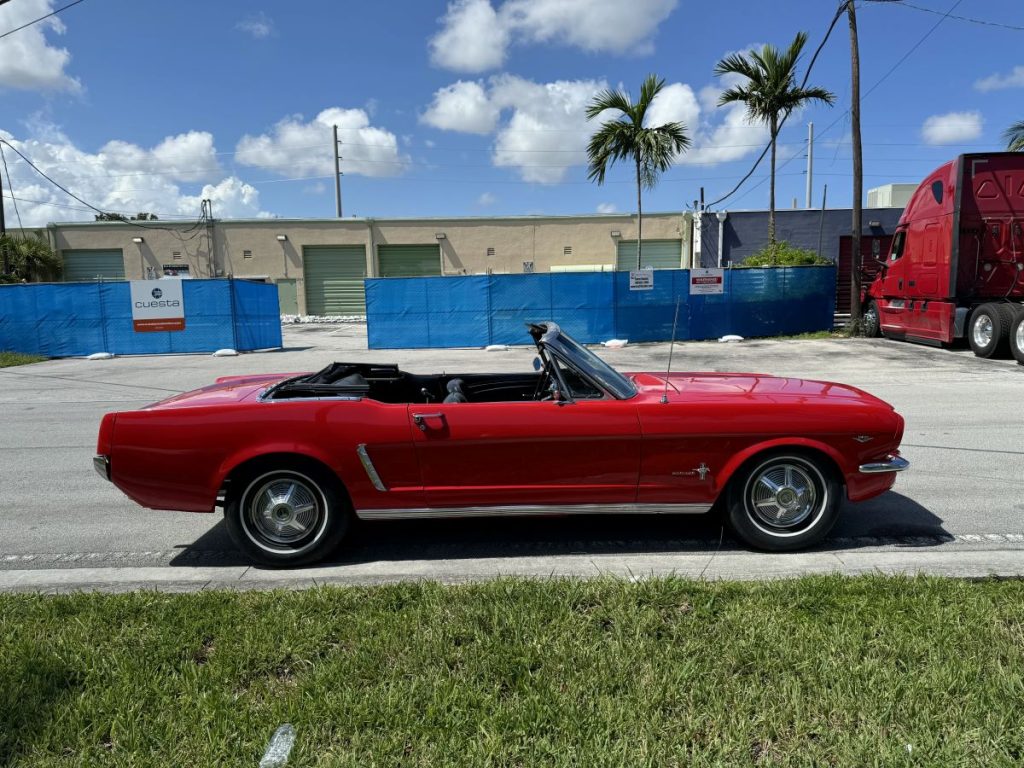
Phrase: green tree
(651, 149)
(770, 94)
(1014, 136)
(29, 258)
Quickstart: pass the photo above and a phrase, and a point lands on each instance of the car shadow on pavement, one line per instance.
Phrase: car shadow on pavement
(889, 520)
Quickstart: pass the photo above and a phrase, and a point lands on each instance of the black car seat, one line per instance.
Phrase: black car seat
(455, 393)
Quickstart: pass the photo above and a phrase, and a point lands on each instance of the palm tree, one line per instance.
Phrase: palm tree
(30, 258)
(626, 138)
(1014, 136)
(770, 94)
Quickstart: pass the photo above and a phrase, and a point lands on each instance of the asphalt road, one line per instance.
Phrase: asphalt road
(963, 493)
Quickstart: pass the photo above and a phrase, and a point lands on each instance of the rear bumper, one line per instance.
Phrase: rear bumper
(891, 464)
(101, 464)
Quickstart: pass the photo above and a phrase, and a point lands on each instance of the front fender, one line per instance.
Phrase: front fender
(738, 459)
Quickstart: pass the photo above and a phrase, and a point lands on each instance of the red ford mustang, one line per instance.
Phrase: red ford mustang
(291, 459)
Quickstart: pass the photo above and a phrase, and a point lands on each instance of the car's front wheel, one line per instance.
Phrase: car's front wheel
(286, 516)
(783, 501)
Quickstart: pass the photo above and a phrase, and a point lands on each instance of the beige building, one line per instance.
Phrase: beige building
(319, 264)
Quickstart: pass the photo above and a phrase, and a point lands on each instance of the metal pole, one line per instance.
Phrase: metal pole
(3, 230)
(821, 220)
(337, 174)
(810, 161)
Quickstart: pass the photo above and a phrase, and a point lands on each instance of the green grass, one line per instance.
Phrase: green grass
(815, 672)
(8, 359)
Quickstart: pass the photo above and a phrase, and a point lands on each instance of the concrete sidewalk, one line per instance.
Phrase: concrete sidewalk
(708, 565)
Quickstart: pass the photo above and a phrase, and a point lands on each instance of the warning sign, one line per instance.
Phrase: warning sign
(706, 281)
(641, 280)
(158, 305)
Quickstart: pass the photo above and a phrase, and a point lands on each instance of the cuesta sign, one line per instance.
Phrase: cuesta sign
(157, 305)
(706, 281)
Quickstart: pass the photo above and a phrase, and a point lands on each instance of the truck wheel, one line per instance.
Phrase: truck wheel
(989, 329)
(1017, 337)
(872, 324)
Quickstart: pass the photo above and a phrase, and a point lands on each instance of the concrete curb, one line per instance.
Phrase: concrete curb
(743, 566)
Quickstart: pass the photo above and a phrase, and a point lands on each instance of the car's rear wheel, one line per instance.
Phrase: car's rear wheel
(286, 515)
(989, 329)
(784, 500)
(1017, 337)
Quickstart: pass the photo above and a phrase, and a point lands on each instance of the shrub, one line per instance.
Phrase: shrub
(782, 254)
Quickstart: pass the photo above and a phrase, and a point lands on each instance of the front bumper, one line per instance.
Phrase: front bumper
(101, 464)
(891, 464)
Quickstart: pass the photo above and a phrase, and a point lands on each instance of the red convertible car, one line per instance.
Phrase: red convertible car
(292, 458)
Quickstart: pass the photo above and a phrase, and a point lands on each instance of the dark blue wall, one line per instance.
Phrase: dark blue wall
(746, 232)
(418, 312)
(78, 319)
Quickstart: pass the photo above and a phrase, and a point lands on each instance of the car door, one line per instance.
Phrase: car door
(532, 453)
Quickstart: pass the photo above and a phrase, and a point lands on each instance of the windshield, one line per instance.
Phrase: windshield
(589, 364)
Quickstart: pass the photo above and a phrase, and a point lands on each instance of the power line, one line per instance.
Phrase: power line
(878, 82)
(950, 16)
(10, 186)
(807, 74)
(41, 18)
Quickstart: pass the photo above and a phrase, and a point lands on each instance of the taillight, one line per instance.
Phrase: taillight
(106, 436)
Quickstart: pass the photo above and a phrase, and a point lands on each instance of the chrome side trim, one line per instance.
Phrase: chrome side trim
(532, 510)
(891, 464)
(371, 471)
(101, 464)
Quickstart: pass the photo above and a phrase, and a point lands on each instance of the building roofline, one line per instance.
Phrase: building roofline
(363, 220)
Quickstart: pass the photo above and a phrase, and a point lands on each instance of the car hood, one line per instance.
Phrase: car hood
(225, 390)
(705, 387)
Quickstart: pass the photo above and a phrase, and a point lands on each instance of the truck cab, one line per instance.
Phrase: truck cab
(956, 265)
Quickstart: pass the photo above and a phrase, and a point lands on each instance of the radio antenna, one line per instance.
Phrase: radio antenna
(672, 346)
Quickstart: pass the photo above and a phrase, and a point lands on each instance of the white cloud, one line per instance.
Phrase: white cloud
(548, 131)
(541, 130)
(122, 178)
(606, 208)
(259, 26)
(297, 148)
(952, 127)
(462, 106)
(1014, 79)
(475, 36)
(27, 60)
(598, 26)
(486, 199)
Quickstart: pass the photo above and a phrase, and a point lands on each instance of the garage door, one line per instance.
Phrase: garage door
(334, 279)
(409, 260)
(657, 254)
(93, 265)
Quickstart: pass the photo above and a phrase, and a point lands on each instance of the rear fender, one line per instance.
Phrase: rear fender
(265, 449)
(734, 463)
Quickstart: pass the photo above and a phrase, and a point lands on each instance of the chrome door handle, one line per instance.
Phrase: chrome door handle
(420, 419)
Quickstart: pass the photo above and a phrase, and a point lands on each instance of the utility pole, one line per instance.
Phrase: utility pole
(3, 230)
(810, 162)
(858, 170)
(337, 174)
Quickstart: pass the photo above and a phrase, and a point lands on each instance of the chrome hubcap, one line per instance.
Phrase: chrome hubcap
(1019, 337)
(982, 331)
(782, 495)
(284, 510)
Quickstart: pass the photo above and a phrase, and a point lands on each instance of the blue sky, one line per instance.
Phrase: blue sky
(470, 108)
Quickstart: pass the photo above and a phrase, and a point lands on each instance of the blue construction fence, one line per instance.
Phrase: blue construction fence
(419, 312)
(76, 319)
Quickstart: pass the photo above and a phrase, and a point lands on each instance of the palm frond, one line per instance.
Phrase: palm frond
(1014, 136)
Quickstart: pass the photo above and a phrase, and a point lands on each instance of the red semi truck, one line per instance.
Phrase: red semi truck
(956, 265)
